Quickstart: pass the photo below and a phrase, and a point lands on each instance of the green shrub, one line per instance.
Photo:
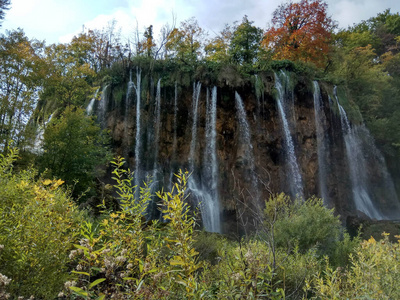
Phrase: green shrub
(305, 224)
(127, 257)
(38, 226)
(243, 272)
(373, 273)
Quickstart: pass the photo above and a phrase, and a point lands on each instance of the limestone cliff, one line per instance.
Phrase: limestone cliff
(252, 151)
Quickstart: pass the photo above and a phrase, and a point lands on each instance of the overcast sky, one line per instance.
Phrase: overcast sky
(59, 20)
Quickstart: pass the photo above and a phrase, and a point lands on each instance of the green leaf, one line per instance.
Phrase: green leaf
(79, 291)
(175, 262)
(81, 247)
(128, 278)
(82, 273)
(101, 297)
(96, 282)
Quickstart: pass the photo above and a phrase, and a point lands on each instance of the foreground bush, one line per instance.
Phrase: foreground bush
(373, 273)
(127, 257)
(38, 227)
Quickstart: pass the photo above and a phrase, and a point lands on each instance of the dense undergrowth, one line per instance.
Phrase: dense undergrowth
(50, 249)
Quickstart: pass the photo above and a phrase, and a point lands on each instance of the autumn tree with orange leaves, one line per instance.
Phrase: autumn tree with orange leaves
(300, 32)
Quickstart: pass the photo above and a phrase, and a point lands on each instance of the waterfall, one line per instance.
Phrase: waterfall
(206, 197)
(246, 149)
(361, 153)
(294, 176)
(103, 107)
(138, 131)
(129, 91)
(157, 125)
(38, 145)
(322, 146)
(210, 165)
(358, 168)
(89, 108)
(127, 138)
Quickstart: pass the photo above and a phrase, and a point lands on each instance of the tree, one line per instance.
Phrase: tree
(218, 47)
(149, 44)
(384, 28)
(69, 75)
(4, 5)
(300, 32)
(21, 72)
(245, 43)
(74, 146)
(186, 42)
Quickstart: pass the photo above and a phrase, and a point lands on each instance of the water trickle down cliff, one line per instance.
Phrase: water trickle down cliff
(367, 183)
(322, 143)
(284, 103)
(233, 138)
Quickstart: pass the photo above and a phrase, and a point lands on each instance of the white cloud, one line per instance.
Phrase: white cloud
(61, 20)
(124, 21)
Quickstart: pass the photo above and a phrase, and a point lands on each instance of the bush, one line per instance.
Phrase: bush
(74, 146)
(373, 273)
(244, 272)
(305, 224)
(127, 257)
(38, 227)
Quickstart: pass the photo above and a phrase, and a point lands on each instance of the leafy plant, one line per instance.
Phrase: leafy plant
(74, 146)
(38, 226)
(372, 274)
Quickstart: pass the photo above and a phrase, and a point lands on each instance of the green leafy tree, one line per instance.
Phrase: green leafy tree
(70, 72)
(384, 28)
(21, 74)
(74, 146)
(245, 43)
(186, 42)
(217, 49)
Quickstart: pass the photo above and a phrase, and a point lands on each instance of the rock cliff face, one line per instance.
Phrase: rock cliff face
(244, 141)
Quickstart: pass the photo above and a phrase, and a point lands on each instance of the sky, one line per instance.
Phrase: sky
(57, 21)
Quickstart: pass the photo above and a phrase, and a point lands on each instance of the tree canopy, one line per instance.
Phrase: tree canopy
(300, 32)
(74, 146)
(245, 43)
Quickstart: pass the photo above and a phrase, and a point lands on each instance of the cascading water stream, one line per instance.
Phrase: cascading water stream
(322, 146)
(209, 207)
(138, 130)
(157, 126)
(357, 166)
(103, 107)
(38, 145)
(210, 166)
(246, 147)
(89, 108)
(131, 86)
(294, 176)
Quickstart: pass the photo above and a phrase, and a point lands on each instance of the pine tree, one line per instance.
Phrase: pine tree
(4, 5)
